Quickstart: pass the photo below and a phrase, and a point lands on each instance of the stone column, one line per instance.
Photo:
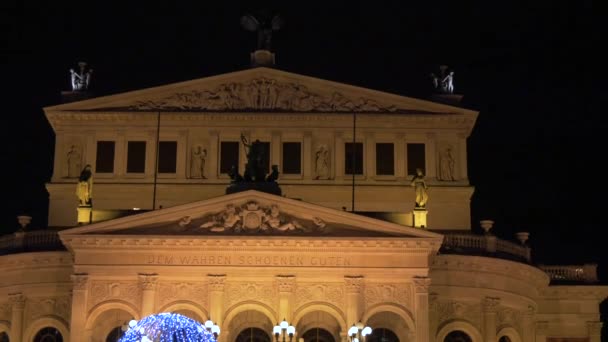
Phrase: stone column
(213, 155)
(80, 292)
(461, 161)
(338, 156)
(354, 300)
(400, 157)
(528, 324)
(489, 306)
(307, 159)
(275, 150)
(17, 301)
(148, 282)
(421, 305)
(541, 329)
(594, 329)
(431, 156)
(216, 301)
(286, 284)
(182, 154)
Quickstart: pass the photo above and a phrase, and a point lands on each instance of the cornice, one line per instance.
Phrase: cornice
(575, 292)
(35, 259)
(235, 243)
(476, 264)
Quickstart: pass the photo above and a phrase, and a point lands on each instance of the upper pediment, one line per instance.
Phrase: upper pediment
(259, 90)
(250, 213)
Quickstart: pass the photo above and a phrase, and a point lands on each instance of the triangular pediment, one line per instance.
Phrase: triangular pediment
(259, 90)
(250, 213)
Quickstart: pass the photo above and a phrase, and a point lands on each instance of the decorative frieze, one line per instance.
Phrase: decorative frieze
(260, 292)
(196, 292)
(388, 293)
(444, 311)
(102, 291)
(332, 293)
(56, 306)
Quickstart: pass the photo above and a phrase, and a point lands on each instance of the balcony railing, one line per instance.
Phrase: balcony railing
(571, 273)
(32, 241)
(487, 245)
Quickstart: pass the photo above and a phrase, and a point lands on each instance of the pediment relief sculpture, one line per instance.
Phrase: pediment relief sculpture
(263, 94)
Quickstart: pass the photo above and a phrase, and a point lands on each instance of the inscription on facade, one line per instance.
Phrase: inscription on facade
(250, 260)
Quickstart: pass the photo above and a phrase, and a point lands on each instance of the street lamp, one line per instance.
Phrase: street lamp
(358, 332)
(212, 328)
(283, 329)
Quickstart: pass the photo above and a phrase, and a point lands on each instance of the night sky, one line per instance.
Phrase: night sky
(532, 72)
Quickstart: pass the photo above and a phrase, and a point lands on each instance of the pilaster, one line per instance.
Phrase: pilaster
(594, 329)
(489, 306)
(339, 155)
(541, 329)
(286, 285)
(17, 301)
(354, 302)
(216, 298)
(421, 305)
(307, 161)
(528, 325)
(213, 155)
(431, 156)
(148, 283)
(80, 289)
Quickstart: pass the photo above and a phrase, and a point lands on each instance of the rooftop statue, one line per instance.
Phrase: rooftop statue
(255, 177)
(264, 24)
(444, 82)
(81, 80)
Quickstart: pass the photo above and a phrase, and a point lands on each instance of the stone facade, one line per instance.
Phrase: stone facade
(250, 259)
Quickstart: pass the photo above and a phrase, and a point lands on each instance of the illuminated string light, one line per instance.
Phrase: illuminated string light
(167, 327)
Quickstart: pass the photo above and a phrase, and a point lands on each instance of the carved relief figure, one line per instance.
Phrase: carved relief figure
(322, 162)
(446, 165)
(84, 188)
(74, 162)
(420, 187)
(273, 220)
(197, 164)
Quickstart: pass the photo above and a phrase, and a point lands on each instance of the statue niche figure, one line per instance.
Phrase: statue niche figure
(84, 189)
(420, 188)
(74, 162)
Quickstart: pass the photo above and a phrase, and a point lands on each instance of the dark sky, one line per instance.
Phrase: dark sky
(531, 70)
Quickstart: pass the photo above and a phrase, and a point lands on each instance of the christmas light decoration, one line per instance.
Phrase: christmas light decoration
(167, 327)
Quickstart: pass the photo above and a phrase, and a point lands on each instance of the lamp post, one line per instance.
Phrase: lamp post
(283, 329)
(212, 328)
(358, 332)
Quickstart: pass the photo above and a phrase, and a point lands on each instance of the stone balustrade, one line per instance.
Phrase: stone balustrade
(571, 273)
(487, 245)
(32, 241)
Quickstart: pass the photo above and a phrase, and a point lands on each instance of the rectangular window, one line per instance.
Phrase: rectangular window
(353, 158)
(292, 158)
(415, 158)
(385, 159)
(136, 157)
(229, 156)
(167, 156)
(104, 161)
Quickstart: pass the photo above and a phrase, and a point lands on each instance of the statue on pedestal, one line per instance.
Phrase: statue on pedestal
(444, 82)
(81, 81)
(264, 24)
(84, 189)
(420, 187)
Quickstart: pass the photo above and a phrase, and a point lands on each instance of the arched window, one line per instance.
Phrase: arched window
(382, 335)
(115, 334)
(253, 335)
(504, 339)
(318, 335)
(457, 336)
(4, 337)
(48, 334)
